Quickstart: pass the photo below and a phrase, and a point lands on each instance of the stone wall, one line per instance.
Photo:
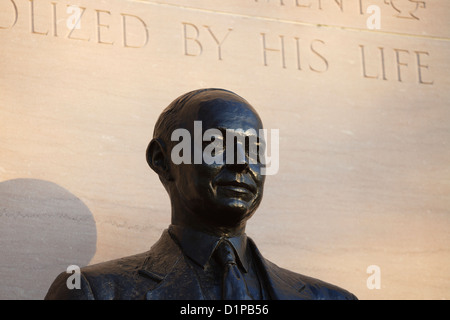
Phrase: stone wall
(359, 90)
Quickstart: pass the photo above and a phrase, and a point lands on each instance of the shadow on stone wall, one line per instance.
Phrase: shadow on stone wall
(43, 229)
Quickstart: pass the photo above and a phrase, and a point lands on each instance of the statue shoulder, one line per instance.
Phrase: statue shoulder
(286, 284)
(321, 290)
(127, 278)
(114, 279)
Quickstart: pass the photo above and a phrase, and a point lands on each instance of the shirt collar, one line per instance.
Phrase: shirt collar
(200, 246)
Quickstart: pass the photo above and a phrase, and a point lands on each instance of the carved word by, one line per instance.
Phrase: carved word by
(192, 44)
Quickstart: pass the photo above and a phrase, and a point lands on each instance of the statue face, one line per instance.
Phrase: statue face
(222, 194)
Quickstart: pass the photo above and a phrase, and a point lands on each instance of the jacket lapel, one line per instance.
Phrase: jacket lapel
(173, 278)
(280, 283)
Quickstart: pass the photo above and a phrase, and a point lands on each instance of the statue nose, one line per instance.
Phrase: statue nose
(237, 159)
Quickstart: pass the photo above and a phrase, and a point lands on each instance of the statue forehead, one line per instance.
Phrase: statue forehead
(217, 106)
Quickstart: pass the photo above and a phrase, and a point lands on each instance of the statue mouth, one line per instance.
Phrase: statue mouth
(237, 187)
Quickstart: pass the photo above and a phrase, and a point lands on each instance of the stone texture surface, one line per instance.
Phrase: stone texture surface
(363, 118)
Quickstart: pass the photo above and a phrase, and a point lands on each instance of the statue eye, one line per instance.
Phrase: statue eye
(252, 147)
(215, 143)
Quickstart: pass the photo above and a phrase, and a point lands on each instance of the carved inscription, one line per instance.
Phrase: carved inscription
(192, 44)
(403, 9)
(96, 23)
(11, 8)
(310, 4)
(272, 50)
(401, 61)
(406, 9)
(320, 65)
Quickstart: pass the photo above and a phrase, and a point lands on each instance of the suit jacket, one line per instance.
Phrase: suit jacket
(162, 273)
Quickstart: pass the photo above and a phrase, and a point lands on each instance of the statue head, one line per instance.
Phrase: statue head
(205, 151)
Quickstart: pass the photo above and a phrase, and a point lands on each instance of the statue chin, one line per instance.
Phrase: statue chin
(229, 213)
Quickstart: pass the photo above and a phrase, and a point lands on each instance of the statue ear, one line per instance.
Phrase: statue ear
(158, 160)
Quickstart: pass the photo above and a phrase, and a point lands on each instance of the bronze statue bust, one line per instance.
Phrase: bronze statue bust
(205, 253)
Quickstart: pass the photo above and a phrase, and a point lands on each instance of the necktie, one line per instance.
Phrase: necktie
(234, 286)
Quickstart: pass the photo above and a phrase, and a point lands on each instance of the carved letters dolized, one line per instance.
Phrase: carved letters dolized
(11, 8)
(77, 23)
